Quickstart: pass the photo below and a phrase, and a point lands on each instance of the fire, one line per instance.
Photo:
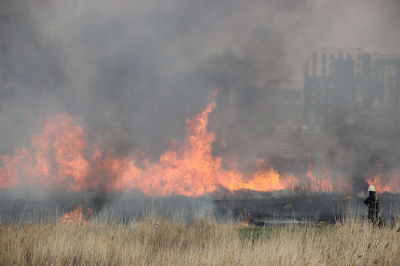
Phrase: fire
(76, 216)
(323, 184)
(385, 181)
(248, 219)
(348, 197)
(63, 157)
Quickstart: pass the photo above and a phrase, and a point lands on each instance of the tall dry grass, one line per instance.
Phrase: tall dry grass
(202, 241)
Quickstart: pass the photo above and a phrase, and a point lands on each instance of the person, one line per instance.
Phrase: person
(373, 204)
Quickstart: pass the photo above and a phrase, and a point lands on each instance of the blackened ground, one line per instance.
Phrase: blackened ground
(263, 207)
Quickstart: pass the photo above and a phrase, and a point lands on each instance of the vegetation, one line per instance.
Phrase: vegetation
(202, 241)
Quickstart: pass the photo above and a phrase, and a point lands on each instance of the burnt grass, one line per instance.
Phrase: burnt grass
(329, 208)
(265, 210)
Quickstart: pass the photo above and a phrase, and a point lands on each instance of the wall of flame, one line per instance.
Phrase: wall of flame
(63, 157)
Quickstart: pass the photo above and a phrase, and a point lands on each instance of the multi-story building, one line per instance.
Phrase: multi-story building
(349, 86)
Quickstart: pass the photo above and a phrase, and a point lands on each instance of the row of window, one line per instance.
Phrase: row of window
(332, 55)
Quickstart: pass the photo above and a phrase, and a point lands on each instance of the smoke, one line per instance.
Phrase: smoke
(119, 66)
(132, 72)
(362, 154)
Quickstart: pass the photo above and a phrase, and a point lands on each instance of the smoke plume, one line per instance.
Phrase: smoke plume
(132, 72)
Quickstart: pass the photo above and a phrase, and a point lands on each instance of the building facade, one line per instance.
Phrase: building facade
(349, 86)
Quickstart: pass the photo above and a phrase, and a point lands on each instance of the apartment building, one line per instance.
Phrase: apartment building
(351, 86)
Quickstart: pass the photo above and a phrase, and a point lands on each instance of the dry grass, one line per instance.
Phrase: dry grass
(201, 242)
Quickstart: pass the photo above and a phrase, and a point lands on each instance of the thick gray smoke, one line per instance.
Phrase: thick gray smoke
(132, 72)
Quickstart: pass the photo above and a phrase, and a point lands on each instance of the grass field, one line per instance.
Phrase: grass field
(203, 241)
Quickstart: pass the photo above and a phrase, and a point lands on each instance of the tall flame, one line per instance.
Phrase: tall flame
(62, 156)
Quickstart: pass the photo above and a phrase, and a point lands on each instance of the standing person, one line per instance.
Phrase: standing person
(373, 204)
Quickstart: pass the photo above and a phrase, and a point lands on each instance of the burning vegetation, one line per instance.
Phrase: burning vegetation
(349, 197)
(76, 216)
(63, 156)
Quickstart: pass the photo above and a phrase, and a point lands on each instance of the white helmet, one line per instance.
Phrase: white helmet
(371, 188)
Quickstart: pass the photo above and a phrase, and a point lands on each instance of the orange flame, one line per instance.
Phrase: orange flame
(62, 156)
(248, 219)
(76, 216)
(385, 183)
(323, 184)
(348, 197)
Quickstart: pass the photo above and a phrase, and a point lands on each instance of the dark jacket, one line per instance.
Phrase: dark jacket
(372, 201)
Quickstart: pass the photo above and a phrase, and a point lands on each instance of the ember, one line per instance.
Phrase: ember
(348, 197)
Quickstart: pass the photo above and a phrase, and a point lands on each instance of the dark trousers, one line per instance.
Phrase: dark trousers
(373, 215)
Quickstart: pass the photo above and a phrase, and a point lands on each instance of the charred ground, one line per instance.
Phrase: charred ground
(262, 207)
